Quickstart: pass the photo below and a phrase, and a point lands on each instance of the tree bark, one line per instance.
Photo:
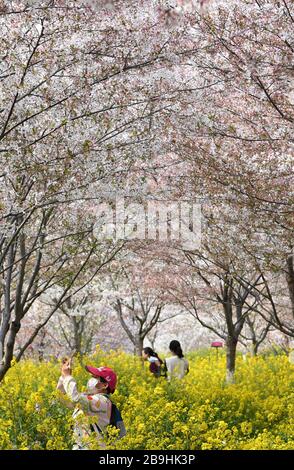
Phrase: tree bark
(290, 280)
(254, 348)
(77, 336)
(231, 343)
(139, 347)
(8, 355)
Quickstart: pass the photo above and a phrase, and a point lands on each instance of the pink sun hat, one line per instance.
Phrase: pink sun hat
(106, 373)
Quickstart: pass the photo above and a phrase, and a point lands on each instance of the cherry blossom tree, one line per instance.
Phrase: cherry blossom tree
(238, 140)
(160, 100)
(82, 104)
(138, 304)
(255, 332)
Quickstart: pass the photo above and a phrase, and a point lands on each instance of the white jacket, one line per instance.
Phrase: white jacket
(86, 405)
(176, 367)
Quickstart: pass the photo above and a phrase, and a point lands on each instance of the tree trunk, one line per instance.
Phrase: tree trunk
(3, 369)
(77, 336)
(290, 280)
(8, 353)
(139, 347)
(42, 345)
(254, 348)
(231, 344)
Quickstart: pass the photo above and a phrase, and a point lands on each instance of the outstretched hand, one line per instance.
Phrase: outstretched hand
(66, 368)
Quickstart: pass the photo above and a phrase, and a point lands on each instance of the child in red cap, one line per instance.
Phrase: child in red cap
(95, 402)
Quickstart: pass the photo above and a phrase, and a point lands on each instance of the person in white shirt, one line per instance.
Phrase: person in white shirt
(94, 402)
(177, 365)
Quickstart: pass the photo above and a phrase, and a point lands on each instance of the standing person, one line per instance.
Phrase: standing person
(95, 402)
(177, 365)
(155, 362)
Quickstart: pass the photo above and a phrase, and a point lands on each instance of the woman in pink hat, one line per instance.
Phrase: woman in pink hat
(94, 402)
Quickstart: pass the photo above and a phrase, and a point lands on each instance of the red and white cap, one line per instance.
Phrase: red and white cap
(106, 373)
